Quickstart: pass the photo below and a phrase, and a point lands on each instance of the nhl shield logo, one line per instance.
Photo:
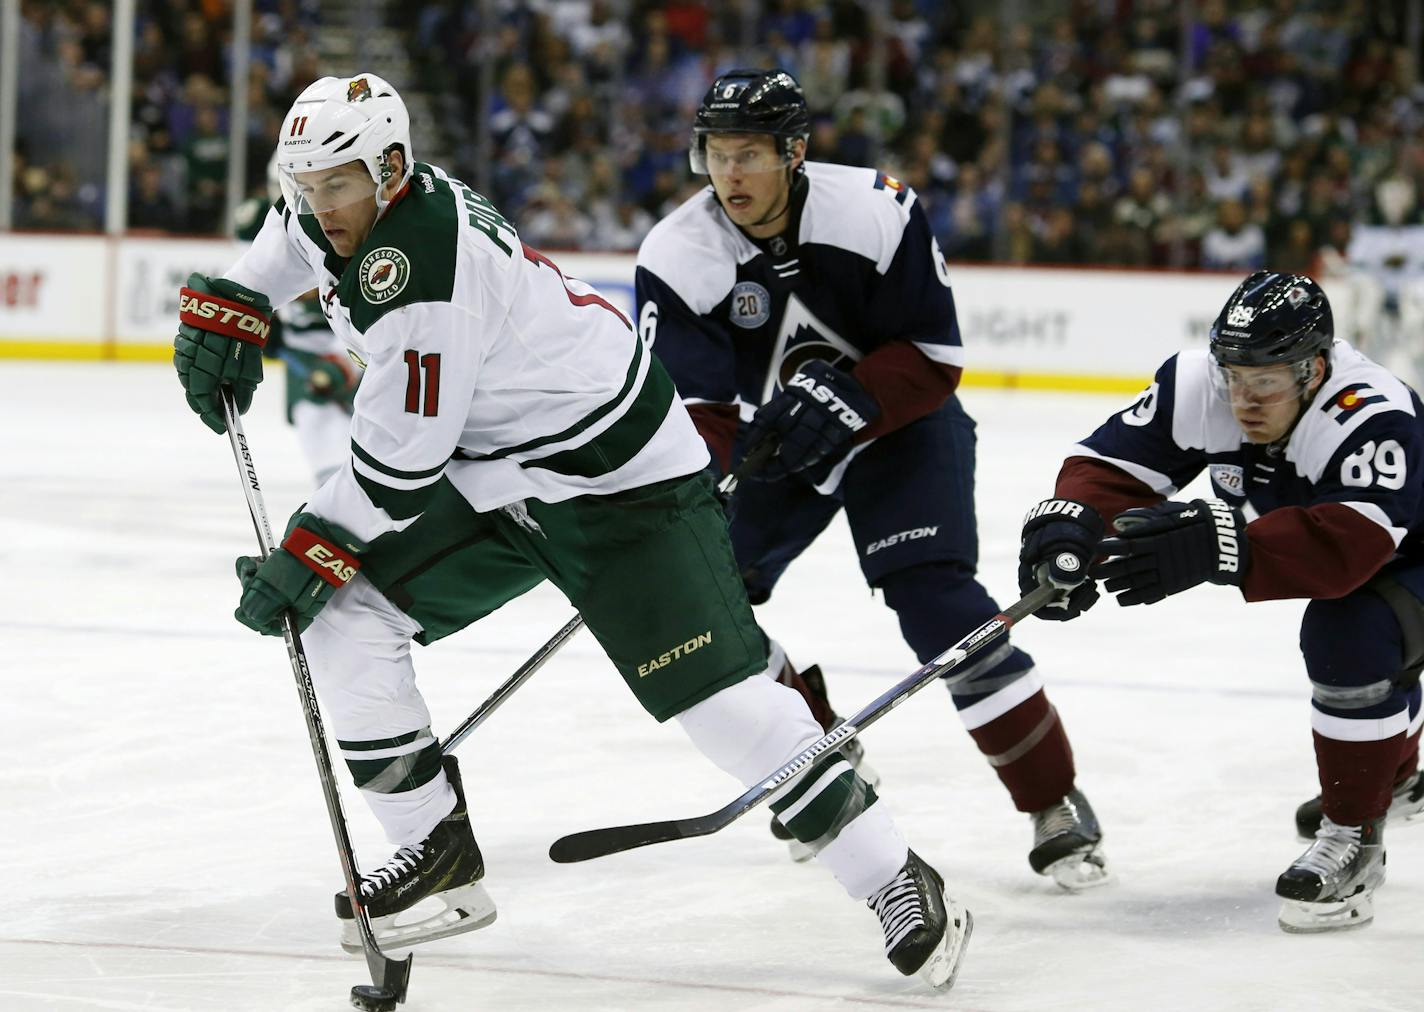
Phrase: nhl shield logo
(383, 273)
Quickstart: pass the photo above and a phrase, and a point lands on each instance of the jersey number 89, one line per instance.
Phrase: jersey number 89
(1388, 470)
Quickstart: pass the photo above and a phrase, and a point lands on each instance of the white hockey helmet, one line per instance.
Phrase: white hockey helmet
(342, 119)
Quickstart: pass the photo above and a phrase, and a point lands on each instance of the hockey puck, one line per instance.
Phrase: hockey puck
(372, 998)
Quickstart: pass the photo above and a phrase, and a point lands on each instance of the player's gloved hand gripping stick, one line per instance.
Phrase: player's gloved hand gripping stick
(1173, 546)
(390, 977)
(601, 842)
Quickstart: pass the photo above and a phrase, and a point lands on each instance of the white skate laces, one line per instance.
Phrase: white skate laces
(1334, 848)
(402, 862)
(1053, 821)
(1067, 844)
(899, 908)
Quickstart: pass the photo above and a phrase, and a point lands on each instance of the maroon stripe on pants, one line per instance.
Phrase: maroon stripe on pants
(1044, 772)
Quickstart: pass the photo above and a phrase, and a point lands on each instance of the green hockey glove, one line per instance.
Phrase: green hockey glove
(315, 559)
(221, 330)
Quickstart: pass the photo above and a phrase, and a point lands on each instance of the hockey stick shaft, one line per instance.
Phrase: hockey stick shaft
(391, 974)
(501, 695)
(753, 462)
(602, 842)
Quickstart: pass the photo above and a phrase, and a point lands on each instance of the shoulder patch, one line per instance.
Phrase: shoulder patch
(411, 257)
(751, 305)
(383, 273)
(840, 212)
(893, 185)
(1352, 398)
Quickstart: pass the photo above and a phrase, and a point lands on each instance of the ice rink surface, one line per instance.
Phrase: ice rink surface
(165, 845)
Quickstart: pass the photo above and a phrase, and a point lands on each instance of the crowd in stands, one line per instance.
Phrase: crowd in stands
(178, 138)
(1087, 132)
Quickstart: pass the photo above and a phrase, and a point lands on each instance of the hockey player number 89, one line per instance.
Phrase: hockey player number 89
(1388, 470)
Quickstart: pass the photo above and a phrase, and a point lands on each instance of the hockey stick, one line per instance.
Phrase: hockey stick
(753, 462)
(602, 842)
(501, 694)
(390, 975)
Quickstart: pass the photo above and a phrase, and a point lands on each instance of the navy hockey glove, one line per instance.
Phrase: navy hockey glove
(814, 421)
(222, 328)
(1167, 548)
(315, 559)
(1060, 538)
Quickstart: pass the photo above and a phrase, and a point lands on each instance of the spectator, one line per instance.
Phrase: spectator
(1234, 244)
(150, 206)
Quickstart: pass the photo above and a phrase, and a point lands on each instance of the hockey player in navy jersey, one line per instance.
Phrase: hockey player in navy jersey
(809, 304)
(1316, 459)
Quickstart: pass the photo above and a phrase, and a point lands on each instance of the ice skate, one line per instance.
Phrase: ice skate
(1331, 886)
(854, 752)
(1067, 844)
(1407, 806)
(445, 869)
(926, 930)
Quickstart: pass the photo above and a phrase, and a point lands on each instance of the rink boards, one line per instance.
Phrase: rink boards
(93, 297)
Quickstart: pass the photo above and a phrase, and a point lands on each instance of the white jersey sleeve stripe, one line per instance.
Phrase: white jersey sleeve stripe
(1371, 511)
(945, 354)
(378, 469)
(1155, 480)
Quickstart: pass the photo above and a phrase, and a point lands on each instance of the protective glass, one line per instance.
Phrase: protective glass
(1248, 386)
(323, 190)
(719, 158)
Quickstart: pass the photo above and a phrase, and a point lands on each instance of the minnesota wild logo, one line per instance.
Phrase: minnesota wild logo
(358, 90)
(383, 273)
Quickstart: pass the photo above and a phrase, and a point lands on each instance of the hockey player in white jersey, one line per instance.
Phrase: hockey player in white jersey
(1316, 456)
(809, 303)
(511, 428)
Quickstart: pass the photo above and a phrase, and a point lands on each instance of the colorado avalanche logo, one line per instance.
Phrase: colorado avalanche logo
(801, 338)
(1344, 405)
(358, 90)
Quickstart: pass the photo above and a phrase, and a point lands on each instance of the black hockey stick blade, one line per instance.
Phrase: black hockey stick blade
(594, 843)
(392, 975)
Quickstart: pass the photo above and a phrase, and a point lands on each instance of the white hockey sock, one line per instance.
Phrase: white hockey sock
(751, 728)
(775, 659)
(409, 817)
(868, 853)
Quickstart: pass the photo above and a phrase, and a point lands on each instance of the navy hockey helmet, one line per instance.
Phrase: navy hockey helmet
(1272, 319)
(752, 102)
